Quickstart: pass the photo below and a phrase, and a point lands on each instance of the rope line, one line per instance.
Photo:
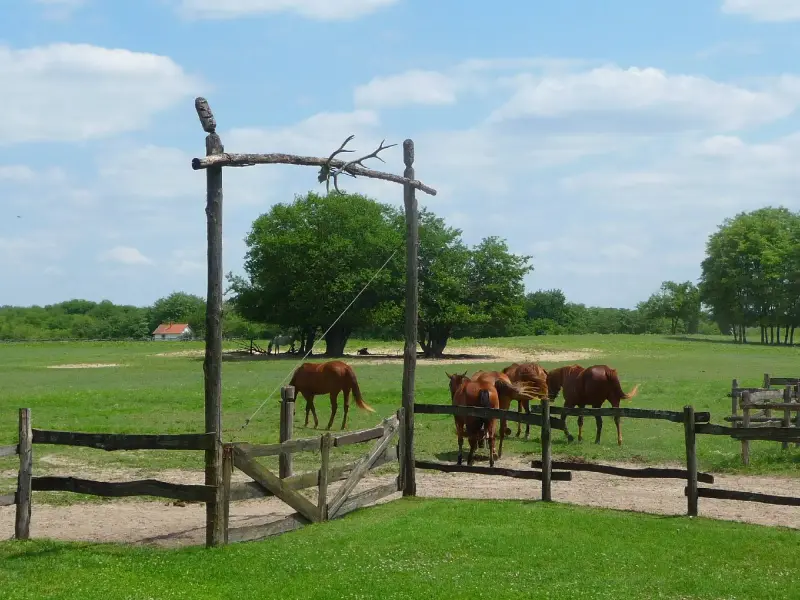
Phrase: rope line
(353, 301)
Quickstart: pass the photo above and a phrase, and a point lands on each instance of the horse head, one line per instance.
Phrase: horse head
(456, 381)
(555, 381)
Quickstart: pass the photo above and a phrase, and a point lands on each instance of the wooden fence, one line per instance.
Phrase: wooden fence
(694, 423)
(285, 485)
(757, 404)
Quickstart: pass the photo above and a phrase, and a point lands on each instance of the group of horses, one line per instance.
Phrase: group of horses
(581, 387)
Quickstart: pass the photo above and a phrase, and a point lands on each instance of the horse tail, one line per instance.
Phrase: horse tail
(617, 386)
(485, 402)
(357, 392)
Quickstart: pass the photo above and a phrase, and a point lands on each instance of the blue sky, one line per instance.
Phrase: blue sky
(605, 139)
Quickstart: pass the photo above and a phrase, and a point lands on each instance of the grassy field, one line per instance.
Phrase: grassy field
(164, 394)
(434, 549)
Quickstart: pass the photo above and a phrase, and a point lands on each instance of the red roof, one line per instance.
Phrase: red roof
(174, 328)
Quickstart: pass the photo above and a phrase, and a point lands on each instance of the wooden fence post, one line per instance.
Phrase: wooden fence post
(285, 460)
(547, 461)
(787, 413)
(326, 441)
(22, 525)
(734, 399)
(227, 472)
(766, 381)
(691, 459)
(401, 449)
(797, 414)
(412, 298)
(212, 365)
(745, 424)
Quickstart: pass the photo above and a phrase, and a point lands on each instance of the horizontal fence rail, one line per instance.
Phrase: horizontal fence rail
(721, 494)
(769, 434)
(641, 473)
(515, 473)
(125, 441)
(485, 413)
(9, 450)
(628, 413)
(146, 487)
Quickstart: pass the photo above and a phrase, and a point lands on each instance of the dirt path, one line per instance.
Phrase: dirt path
(164, 524)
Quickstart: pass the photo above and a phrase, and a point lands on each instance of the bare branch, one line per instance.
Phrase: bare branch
(359, 161)
(244, 160)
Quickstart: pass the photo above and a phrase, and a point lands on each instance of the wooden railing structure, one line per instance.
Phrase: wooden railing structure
(694, 424)
(240, 455)
(757, 404)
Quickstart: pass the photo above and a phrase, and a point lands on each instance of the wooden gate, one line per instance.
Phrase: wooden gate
(328, 505)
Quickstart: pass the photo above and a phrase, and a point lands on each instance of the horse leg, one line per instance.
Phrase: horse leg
(599, 421)
(519, 412)
(527, 406)
(460, 433)
(314, 413)
(334, 406)
(580, 428)
(502, 437)
(310, 408)
(492, 454)
(564, 425)
(346, 394)
(617, 421)
(473, 444)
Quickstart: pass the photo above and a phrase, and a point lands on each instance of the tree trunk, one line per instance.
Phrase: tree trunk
(735, 330)
(306, 341)
(791, 337)
(439, 344)
(763, 333)
(674, 326)
(336, 340)
(771, 334)
(786, 335)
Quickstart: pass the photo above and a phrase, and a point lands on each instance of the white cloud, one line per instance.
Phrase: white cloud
(16, 173)
(126, 255)
(72, 92)
(411, 87)
(60, 9)
(322, 10)
(644, 99)
(764, 10)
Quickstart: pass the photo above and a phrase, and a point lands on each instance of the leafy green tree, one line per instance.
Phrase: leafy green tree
(179, 307)
(307, 261)
(679, 303)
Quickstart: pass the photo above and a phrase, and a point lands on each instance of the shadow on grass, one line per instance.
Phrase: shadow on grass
(726, 342)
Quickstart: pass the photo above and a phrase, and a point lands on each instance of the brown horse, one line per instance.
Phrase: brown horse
(588, 387)
(311, 379)
(533, 374)
(508, 391)
(466, 392)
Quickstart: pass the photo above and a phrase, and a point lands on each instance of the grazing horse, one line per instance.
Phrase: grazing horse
(531, 373)
(466, 392)
(311, 379)
(508, 391)
(588, 387)
(281, 340)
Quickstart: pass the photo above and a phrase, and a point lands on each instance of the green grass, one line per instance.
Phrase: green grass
(156, 394)
(434, 549)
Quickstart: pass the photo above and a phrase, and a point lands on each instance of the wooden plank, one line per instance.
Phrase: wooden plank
(761, 396)
(691, 460)
(547, 459)
(486, 413)
(227, 472)
(285, 459)
(515, 473)
(739, 418)
(720, 494)
(324, 473)
(274, 484)
(410, 332)
(785, 380)
(356, 474)
(792, 406)
(252, 533)
(251, 489)
(22, 522)
(768, 434)
(357, 437)
(629, 413)
(401, 449)
(787, 414)
(367, 497)
(711, 429)
(8, 500)
(146, 487)
(641, 473)
(9, 450)
(291, 446)
(125, 441)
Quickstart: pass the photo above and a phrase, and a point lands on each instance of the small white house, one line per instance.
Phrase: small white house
(172, 331)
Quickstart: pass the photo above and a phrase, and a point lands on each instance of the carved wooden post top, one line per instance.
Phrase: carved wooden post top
(408, 152)
(206, 116)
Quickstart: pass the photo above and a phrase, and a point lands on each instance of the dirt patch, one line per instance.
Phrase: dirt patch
(166, 524)
(472, 354)
(85, 366)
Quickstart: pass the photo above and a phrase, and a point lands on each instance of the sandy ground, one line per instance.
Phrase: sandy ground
(392, 355)
(167, 524)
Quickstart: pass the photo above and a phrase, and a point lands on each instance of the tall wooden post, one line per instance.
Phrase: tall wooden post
(212, 366)
(22, 524)
(787, 413)
(691, 459)
(734, 399)
(227, 472)
(285, 459)
(746, 424)
(410, 353)
(547, 457)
